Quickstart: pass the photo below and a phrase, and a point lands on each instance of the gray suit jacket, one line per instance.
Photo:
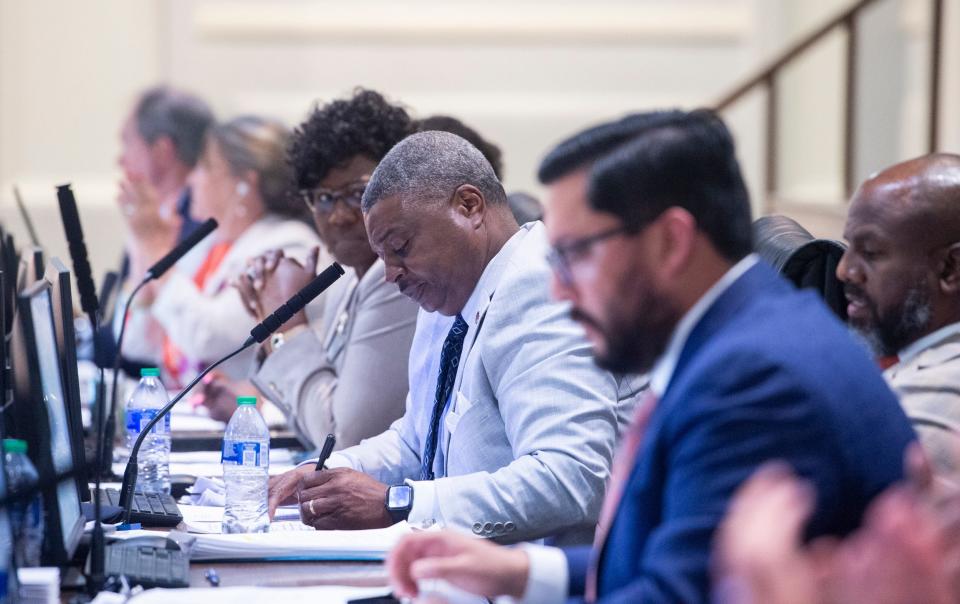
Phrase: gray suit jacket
(928, 385)
(528, 438)
(347, 376)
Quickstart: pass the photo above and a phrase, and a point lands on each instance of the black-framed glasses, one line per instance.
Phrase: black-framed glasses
(322, 201)
(562, 257)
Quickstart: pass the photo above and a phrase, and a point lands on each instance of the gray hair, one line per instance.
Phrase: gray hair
(429, 166)
(182, 117)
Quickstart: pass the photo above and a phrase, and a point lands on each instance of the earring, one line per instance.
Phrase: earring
(243, 188)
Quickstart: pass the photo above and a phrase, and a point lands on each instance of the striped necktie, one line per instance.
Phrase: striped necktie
(449, 361)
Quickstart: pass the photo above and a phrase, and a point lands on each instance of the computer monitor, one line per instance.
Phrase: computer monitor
(58, 276)
(9, 263)
(6, 529)
(31, 267)
(40, 411)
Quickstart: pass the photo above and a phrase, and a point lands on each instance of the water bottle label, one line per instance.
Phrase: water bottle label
(243, 453)
(137, 420)
(35, 512)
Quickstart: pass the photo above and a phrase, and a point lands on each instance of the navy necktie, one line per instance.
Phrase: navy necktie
(449, 360)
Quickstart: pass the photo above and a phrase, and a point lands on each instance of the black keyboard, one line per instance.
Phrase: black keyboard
(150, 510)
(147, 566)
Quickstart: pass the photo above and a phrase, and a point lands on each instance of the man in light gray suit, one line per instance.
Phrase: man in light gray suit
(901, 276)
(509, 427)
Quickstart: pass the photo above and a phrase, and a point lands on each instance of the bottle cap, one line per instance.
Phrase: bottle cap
(150, 372)
(14, 445)
(246, 400)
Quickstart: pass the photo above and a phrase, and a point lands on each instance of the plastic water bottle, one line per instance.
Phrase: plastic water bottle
(153, 460)
(246, 463)
(26, 516)
(8, 580)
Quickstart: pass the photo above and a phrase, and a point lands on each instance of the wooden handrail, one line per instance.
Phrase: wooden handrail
(767, 76)
(788, 55)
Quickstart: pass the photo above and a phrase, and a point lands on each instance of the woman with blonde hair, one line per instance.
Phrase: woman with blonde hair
(191, 317)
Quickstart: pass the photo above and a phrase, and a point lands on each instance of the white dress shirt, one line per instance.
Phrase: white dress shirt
(432, 330)
(526, 439)
(548, 581)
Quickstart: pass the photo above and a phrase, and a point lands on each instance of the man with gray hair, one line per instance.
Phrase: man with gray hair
(509, 427)
(160, 143)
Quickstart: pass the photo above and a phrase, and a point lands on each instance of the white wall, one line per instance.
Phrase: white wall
(68, 72)
(523, 72)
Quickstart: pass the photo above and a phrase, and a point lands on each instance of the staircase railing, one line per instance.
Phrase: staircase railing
(768, 76)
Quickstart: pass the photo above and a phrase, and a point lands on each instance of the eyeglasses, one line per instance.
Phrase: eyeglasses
(562, 257)
(322, 201)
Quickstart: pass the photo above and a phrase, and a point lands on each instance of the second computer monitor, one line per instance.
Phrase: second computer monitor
(40, 408)
(58, 275)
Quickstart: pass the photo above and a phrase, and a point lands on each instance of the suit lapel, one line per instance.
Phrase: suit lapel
(717, 316)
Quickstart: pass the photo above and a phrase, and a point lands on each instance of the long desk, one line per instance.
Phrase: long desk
(281, 574)
(290, 574)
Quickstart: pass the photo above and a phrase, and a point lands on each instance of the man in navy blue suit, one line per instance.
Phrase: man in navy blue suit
(649, 220)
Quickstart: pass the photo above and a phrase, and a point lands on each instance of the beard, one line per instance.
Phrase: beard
(889, 333)
(634, 338)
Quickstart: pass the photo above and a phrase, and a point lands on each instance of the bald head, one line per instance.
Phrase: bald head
(918, 199)
(902, 269)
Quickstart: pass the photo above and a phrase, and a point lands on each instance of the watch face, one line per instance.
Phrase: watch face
(400, 497)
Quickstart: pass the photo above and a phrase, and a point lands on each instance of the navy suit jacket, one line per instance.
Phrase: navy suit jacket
(767, 373)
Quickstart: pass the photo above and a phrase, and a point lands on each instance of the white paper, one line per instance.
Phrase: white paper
(300, 545)
(207, 520)
(216, 528)
(182, 422)
(201, 513)
(277, 456)
(259, 595)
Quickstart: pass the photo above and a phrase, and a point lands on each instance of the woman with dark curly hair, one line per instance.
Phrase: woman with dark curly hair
(187, 319)
(345, 374)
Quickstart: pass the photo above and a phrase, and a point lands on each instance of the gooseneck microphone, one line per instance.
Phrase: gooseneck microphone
(88, 302)
(154, 272)
(173, 256)
(295, 304)
(258, 334)
(78, 252)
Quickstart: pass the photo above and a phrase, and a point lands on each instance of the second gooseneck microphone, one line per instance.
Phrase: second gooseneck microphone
(88, 302)
(258, 334)
(154, 272)
(173, 256)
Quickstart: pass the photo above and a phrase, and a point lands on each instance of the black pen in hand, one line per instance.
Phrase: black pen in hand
(325, 452)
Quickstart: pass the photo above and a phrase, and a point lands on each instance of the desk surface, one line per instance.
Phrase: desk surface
(212, 440)
(291, 574)
(280, 574)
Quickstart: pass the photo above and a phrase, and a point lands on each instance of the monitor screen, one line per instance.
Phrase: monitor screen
(51, 382)
(62, 302)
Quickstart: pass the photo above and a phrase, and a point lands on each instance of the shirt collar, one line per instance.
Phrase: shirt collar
(487, 284)
(663, 368)
(928, 340)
